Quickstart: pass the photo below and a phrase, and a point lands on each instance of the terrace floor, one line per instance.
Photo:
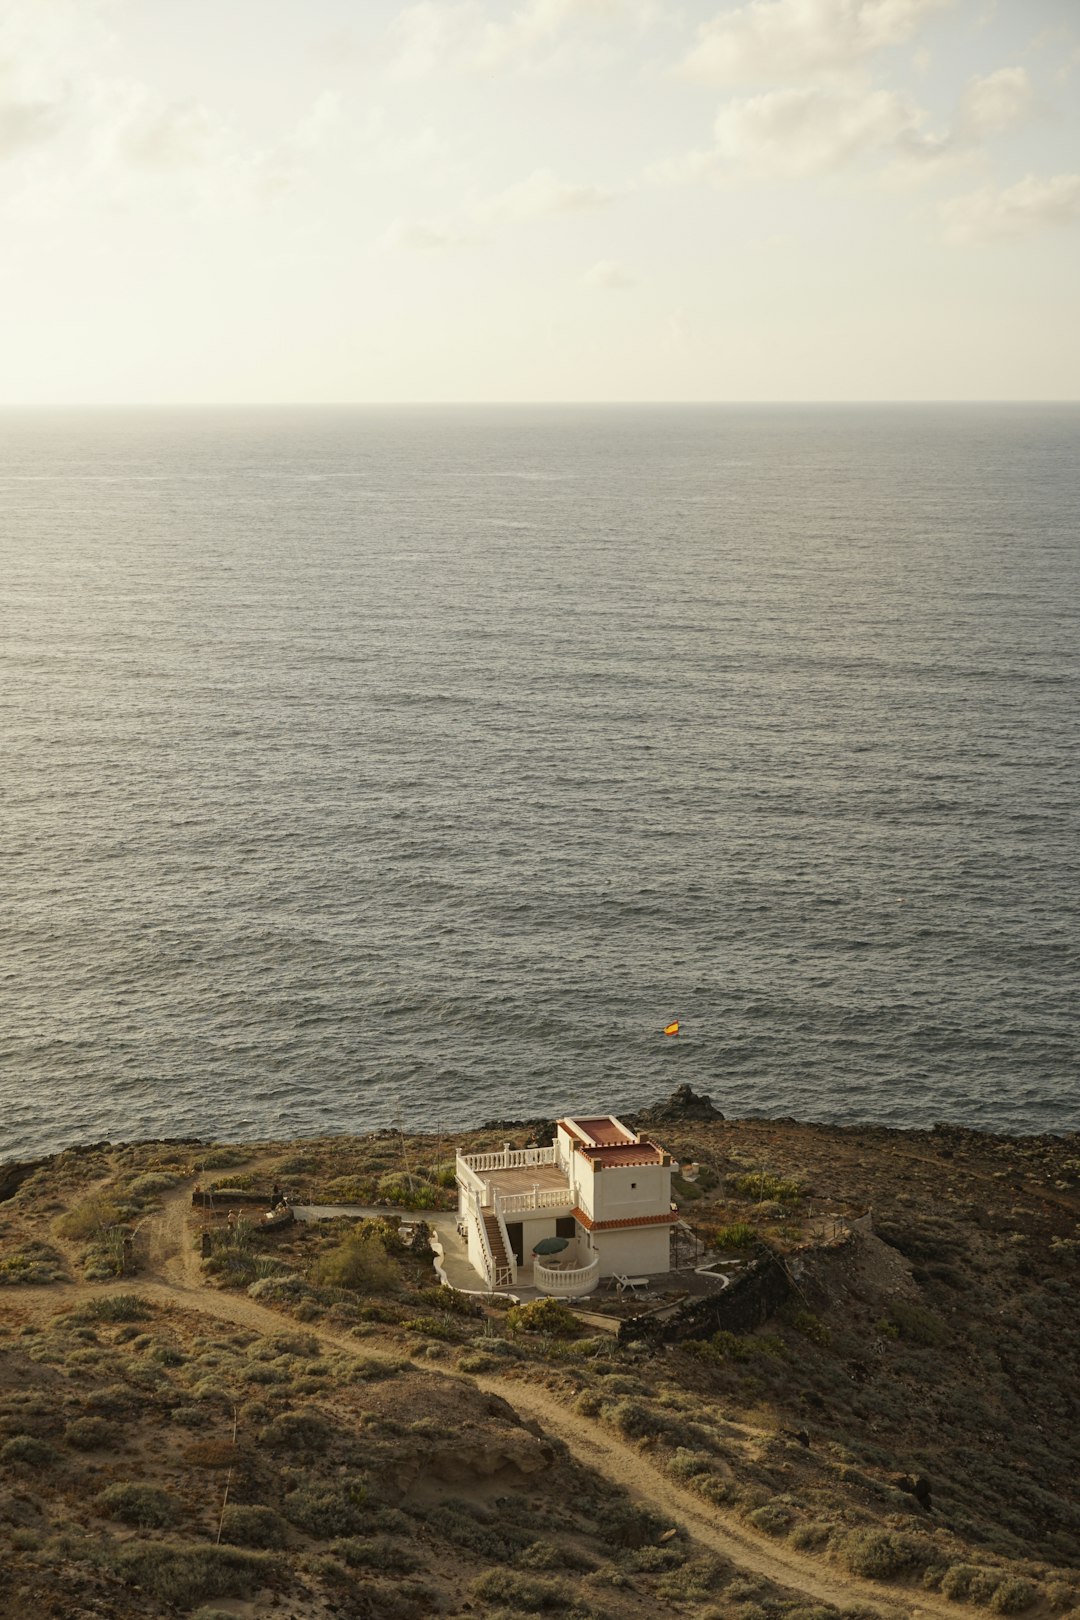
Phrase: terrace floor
(544, 1176)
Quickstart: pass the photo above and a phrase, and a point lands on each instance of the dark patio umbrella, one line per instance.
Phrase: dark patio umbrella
(554, 1245)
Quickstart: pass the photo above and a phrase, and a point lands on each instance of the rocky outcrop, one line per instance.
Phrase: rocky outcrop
(683, 1104)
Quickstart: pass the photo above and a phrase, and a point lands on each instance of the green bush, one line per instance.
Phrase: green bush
(90, 1218)
(774, 1518)
(304, 1429)
(359, 1262)
(327, 1510)
(92, 1434)
(881, 1554)
(376, 1552)
(143, 1506)
(1013, 1595)
(917, 1325)
(116, 1308)
(543, 1316)
(763, 1187)
(738, 1235)
(521, 1593)
(185, 1576)
(27, 1448)
(811, 1327)
(556, 1556)
(252, 1526)
(152, 1183)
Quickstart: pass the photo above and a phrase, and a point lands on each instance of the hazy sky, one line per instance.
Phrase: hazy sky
(224, 200)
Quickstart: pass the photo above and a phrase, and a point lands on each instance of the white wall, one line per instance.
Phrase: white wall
(636, 1251)
(622, 1191)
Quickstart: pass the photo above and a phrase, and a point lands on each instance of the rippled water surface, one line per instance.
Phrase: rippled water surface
(366, 763)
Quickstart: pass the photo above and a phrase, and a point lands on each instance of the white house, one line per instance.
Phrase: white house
(602, 1188)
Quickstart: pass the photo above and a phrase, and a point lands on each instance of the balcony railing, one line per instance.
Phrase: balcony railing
(539, 1198)
(507, 1159)
(566, 1282)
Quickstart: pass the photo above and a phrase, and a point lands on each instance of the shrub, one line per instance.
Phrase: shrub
(738, 1235)
(762, 1187)
(547, 1555)
(27, 1448)
(811, 1327)
(89, 1218)
(185, 1576)
(634, 1419)
(917, 1325)
(326, 1510)
(1013, 1595)
(252, 1526)
(811, 1535)
(116, 1308)
(543, 1316)
(359, 1262)
(143, 1506)
(375, 1552)
(152, 1183)
(774, 1518)
(881, 1554)
(92, 1434)
(624, 1525)
(303, 1430)
(395, 1189)
(521, 1593)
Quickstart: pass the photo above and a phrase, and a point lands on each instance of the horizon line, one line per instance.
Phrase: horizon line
(513, 404)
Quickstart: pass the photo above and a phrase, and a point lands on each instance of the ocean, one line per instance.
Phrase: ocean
(365, 765)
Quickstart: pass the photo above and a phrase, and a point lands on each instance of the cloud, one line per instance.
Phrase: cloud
(765, 41)
(422, 236)
(1020, 210)
(432, 36)
(996, 103)
(789, 133)
(541, 193)
(25, 123)
(609, 275)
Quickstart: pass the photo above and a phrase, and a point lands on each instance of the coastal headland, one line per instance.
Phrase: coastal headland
(874, 1411)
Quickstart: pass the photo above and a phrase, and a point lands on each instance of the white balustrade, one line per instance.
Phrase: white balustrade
(566, 1282)
(507, 1159)
(539, 1198)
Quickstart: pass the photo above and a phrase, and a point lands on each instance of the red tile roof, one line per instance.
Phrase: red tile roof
(625, 1153)
(603, 1130)
(632, 1220)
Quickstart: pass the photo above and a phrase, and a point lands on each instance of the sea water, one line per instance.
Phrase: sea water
(374, 764)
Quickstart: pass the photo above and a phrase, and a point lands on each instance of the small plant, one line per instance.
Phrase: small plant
(811, 1327)
(116, 1308)
(543, 1316)
(252, 1527)
(882, 1554)
(737, 1235)
(375, 1552)
(766, 1188)
(27, 1448)
(1014, 1595)
(92, 1434)
(184, 1576)
(359, 1262)
(521, 1593)
(142, 1506)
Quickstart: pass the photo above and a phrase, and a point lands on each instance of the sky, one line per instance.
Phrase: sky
(554, 200)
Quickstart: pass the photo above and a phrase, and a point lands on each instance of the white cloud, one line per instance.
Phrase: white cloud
(1019, 210)
(609, 275)
(789, 133)
(423, 236)
(996, 103)
(541, 193)
(432, 36)
(25, 123)
(764, 41)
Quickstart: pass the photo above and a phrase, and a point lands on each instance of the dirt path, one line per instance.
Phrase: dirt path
(175, 1281)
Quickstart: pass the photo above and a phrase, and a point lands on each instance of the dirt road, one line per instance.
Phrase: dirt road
(174, 1280)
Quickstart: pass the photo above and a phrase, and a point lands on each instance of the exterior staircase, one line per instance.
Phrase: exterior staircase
(504, 1271)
